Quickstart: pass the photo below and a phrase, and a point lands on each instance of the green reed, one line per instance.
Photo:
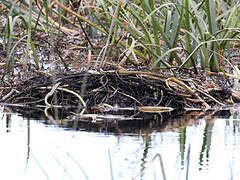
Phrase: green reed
(189, 33)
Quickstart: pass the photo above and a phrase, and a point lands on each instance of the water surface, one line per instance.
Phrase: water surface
(206, 148)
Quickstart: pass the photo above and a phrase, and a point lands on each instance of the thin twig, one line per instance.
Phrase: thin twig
(62, 89)
(9, 94)
(190, 90)
(53, 89)
(209, 96)
(124, 94)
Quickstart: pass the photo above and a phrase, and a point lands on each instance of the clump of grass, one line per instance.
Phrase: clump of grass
(197, 28)
(9, 31)
(170, 33)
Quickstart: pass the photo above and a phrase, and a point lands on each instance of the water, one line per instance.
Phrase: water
(37, 149)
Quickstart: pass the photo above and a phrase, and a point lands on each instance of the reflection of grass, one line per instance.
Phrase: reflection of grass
(207, 136)
(156, 157)
(182, 142)
(161, 165)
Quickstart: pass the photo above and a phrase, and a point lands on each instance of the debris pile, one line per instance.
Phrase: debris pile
(118, 90)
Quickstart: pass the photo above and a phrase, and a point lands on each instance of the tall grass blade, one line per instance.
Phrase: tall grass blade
(146, 34)
(45, 4)
(206, 42)
(155, 28)
(80, 17)
(160, 59)
(34, 55)
(109, 37)
(212, 24)
(176, 26)
(8, 38)
(29, 34)
(187, 36)
(232, 21)
(10, 25)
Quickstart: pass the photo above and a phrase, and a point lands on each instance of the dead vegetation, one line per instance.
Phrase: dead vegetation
(120, 90)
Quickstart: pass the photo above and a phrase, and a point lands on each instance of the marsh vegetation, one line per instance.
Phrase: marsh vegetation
(190, 46)
(153, 75)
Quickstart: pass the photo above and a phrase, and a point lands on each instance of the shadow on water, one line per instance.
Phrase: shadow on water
(137, 123)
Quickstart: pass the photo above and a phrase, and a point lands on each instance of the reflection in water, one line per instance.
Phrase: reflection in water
(8, 122)
(207, 135)
(28, 142)
(236, 122)
(147, 139)
(144, 122)
(76, 150)
(182, 134)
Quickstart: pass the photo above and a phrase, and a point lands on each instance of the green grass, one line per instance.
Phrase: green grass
(183, 33)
